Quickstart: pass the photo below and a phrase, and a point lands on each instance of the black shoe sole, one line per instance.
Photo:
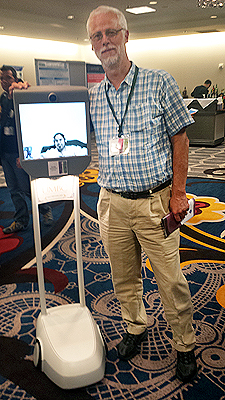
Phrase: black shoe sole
(137, 351)
(188, 379)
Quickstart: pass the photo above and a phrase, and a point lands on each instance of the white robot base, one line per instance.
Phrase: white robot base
(69, 346)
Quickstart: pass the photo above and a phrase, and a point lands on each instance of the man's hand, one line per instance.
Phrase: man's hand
(17, 85)
(179, 206)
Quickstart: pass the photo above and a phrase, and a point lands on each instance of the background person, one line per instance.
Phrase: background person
(139, 119)
(201, 91)
(17, 179)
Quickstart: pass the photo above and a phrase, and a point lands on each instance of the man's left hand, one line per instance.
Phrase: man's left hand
(179, 206)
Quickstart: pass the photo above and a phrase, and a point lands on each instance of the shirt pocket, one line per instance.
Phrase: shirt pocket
(143, 117)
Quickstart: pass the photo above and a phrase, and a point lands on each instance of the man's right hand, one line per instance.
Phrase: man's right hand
(17, 85)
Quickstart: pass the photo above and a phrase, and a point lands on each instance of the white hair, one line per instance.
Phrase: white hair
(104, 10)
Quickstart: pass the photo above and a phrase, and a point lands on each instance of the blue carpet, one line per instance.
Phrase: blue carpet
(151, 374)
(21, 251)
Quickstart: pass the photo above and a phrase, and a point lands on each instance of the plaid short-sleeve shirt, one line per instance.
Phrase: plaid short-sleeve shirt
(156, 113)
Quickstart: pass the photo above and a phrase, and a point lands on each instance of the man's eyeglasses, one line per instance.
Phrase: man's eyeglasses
(109, 33)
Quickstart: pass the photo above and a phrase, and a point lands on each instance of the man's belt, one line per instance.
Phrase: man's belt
(142, 195)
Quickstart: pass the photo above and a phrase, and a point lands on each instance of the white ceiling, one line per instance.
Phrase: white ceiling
(47, 19)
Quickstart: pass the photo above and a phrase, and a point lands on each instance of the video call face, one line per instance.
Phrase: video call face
(59, 142)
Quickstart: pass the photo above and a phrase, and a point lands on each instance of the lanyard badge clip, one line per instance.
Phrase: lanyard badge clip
(121, 144)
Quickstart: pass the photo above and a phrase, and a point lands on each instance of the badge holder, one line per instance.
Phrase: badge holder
(119, 145)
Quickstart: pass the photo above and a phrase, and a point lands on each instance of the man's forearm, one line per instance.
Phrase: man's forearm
(179, 203)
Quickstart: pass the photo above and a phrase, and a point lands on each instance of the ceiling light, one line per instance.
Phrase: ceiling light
(70, 17)
(1, 28)
(153, 3)
(210, 3)
(213, 16)
(56, 26)
(140, 10)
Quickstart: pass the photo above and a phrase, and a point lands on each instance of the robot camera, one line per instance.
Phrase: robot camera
(52, 97)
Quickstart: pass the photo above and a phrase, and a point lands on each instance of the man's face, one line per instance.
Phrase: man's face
(109, 50)
(7, 79)
(59, 142)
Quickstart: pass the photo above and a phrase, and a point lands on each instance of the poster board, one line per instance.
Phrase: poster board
(74, 73)
(95, 74)
(19, 71)
(50, 72)
(77, 73)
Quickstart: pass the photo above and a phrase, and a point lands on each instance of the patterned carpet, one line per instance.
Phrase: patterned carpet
(151, 374)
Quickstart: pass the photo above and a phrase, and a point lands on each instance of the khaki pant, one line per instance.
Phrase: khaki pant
(126, 226)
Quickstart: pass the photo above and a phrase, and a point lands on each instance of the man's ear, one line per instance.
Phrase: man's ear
(126, 36)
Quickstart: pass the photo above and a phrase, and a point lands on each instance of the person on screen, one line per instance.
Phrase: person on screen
(17, 179)
(62, 149)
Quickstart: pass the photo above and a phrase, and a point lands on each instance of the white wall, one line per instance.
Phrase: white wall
(190, 58)
(23, 51)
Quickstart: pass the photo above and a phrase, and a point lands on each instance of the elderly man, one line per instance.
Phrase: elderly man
(139, 120)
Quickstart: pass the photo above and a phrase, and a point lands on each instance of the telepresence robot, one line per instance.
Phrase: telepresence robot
(69, 346)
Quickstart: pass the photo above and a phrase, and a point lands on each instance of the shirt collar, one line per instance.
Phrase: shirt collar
(128, 78)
